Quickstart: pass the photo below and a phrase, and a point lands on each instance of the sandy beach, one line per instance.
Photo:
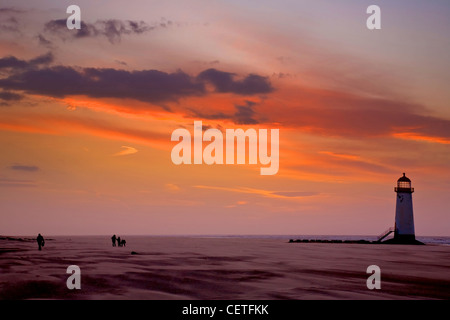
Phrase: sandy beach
(220, 268)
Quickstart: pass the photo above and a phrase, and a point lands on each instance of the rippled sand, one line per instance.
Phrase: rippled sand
(220, 268)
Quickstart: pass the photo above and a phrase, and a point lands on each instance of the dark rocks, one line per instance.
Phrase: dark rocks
(332, 241)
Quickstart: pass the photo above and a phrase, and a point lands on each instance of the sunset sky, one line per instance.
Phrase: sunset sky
(86, 116)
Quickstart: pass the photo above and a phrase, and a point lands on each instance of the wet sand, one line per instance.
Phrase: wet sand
(220, 268)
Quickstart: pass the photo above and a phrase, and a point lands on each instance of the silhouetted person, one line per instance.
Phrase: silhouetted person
(123, 244)
(113, 238)
(119, 242)
(40, 240)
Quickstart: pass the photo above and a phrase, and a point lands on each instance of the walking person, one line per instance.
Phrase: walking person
(113, 238)
(40, 240)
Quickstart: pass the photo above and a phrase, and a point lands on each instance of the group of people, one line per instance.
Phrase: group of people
(120, 242)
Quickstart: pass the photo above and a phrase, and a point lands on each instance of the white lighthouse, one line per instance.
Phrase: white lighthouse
(404, 220)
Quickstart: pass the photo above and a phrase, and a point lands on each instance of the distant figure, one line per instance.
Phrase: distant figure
(41, 242)
(113, 238)
(118, 241)
(123, 244)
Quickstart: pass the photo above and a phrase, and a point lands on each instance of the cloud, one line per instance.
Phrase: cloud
(56, 125)
(123, 63)
(262, 192)
(24, 168)
(322, 112)
(295, 194)
(112, 29)
(16, 65)
(238, 203)
(10, 10)
(44, 59)
(145, 85)
(214, 116)
(8, 20)
(43, 41)
(126, 151)
(9, 24)
(350, 157)
(9, 96)
(17, 183)
(419, 137)
(13, 62)
(172, 187)
(245, 113)
(224, 82)
(341, 166)
(148, 85)
(341, 114)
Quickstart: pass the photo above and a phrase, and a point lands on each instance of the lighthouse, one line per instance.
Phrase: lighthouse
(404, 220)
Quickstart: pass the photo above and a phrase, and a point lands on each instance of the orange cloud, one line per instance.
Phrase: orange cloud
(341, 156)
(172, 187)
(126, 151)
(262, 192)
(25, 128)
(62, 125)
(419, 137)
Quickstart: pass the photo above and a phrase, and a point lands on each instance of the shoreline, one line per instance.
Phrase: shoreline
(355, 239)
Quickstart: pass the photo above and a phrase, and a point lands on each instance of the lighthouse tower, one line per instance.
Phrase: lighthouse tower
(404, 220)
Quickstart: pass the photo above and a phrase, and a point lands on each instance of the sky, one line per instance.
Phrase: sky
(86, 116)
